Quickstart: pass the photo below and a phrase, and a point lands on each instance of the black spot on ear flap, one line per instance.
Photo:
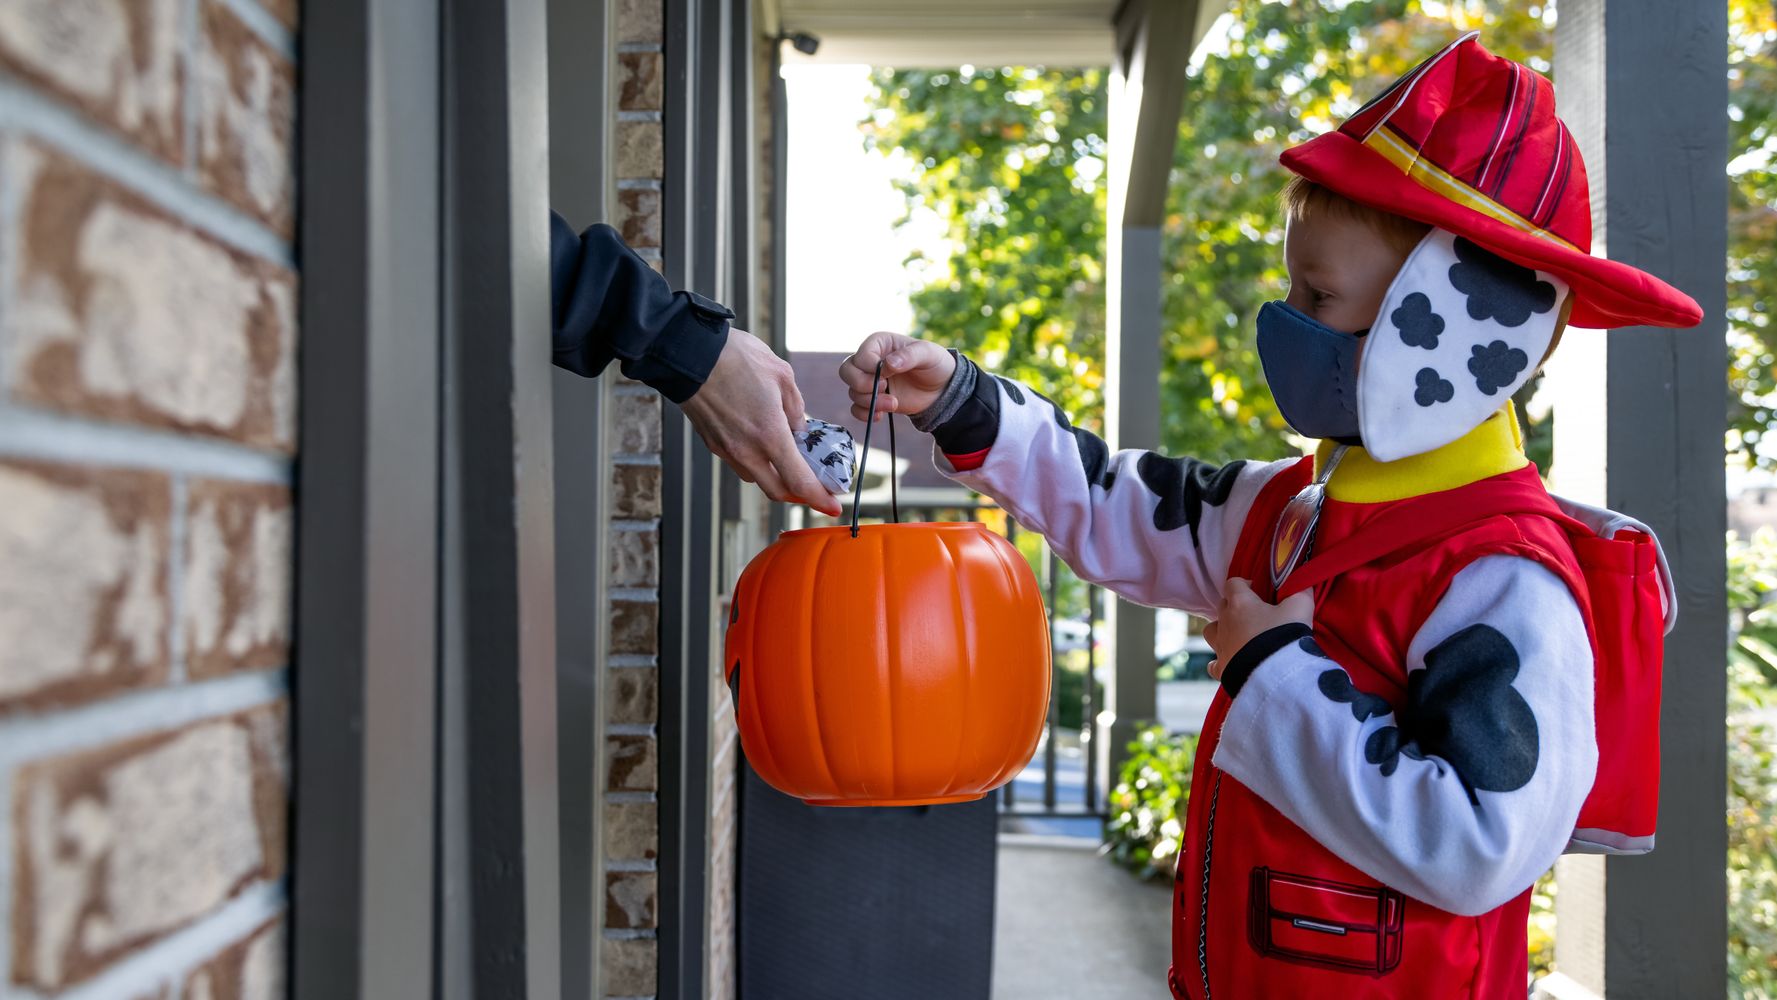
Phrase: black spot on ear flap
(733, 612)
(1495, 365)
(734, 685)
(1432, 388)
(1419, 326)
(1497, 288)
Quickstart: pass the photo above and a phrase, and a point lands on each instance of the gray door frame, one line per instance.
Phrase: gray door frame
(365, 676)
(425, 854)
(1644, 90)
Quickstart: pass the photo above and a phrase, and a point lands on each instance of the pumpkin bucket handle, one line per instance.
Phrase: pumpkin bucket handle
(864, 462)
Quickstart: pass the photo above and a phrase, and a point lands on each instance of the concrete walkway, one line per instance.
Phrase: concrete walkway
(1070, 925)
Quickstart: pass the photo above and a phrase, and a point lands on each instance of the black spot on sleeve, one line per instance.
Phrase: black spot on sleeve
(1184, 486)
(1463, 709)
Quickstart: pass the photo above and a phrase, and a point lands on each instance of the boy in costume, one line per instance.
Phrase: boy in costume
(1429, 687)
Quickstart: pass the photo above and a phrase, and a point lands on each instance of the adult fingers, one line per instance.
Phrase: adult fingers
(798, 479)
(794, 408)
(1215, 670)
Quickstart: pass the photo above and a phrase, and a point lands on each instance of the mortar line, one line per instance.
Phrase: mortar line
(111, 156)
(173, 957)
(30, 433)
(29, 737)
(263, 23)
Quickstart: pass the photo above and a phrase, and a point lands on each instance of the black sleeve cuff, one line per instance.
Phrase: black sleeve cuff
(975, 423)
(609, 304)
(680, 359)
(1257, 650)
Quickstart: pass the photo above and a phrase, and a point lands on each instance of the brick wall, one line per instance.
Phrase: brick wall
(147, 428)
(630, 953)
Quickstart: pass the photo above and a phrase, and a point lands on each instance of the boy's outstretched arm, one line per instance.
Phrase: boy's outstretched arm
(1155, 530)
(1462, 791)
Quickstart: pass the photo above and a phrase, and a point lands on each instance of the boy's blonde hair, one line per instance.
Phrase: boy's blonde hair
(1303, 198)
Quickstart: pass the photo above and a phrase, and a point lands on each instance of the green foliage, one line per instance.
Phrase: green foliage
(1147, 808)
(1013, 161)
(1752, 861)
(1752, 226)
(1752, 769)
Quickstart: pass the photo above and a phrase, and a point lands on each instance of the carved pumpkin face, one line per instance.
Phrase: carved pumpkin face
(907, 665)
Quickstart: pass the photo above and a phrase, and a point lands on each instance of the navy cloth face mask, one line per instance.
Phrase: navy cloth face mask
(1312, 370)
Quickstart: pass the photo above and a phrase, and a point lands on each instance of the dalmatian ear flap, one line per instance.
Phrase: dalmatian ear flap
(1460, 330)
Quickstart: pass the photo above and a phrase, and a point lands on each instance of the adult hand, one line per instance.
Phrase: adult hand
(920, 368)
(1244, 616)
(746, 412)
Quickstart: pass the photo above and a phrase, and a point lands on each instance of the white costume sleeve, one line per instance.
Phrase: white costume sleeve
(1155, 530)
(1466, 792)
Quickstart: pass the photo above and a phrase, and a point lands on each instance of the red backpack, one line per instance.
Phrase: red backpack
(1629, 605)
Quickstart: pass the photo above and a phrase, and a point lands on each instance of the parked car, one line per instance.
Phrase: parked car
(1190, 663)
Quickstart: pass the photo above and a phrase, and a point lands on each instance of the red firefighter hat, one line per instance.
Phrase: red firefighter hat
(1468, 142)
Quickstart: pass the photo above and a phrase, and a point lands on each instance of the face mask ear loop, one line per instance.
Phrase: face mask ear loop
(864, 462)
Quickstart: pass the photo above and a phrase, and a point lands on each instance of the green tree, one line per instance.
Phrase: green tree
(1752, 226)
(1013, 161)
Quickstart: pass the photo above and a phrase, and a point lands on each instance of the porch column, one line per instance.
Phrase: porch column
(1154, 43)
(1639, 427)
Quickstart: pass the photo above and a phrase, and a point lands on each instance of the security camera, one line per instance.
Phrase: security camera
(802, 41)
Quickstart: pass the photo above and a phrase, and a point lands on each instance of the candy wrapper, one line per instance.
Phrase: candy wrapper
(831, 453)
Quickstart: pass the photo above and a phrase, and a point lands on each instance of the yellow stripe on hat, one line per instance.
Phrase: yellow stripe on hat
(1435, 179)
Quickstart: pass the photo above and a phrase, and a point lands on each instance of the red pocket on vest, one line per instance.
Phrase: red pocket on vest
(1317, 921)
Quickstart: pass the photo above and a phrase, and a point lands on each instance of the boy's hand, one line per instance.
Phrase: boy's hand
(920, 368)
(745, 413)
(1244, 616)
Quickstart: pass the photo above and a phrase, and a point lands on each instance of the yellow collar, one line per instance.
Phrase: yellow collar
(1495, 447)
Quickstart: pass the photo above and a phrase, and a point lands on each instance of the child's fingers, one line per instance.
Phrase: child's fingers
(1299, 605)
(885, 403)
(1237, 585)
(855, 376)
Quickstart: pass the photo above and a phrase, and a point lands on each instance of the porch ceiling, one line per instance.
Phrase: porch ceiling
(940, 33)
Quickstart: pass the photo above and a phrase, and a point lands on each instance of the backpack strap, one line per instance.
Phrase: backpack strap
(1421, 519)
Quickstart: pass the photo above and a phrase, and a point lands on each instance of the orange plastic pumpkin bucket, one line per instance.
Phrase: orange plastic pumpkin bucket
(888, 664)
(907, 665)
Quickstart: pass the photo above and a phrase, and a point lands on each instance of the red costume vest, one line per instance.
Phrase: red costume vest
(1260, 908)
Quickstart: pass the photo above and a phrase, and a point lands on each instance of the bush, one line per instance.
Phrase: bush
(1752, 758)
(1147, 807)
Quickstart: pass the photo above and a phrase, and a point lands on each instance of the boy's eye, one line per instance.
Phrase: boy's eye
(1319, 297)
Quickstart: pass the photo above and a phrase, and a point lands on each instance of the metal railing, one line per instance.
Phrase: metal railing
(1067, 750)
